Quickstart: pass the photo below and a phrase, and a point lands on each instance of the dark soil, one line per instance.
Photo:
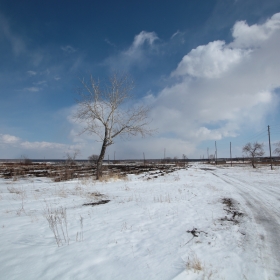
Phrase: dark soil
(196, 232)
(233, 213)
(96, 203)
(207, 169)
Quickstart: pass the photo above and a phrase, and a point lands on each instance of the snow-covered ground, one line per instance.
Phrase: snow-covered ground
(205, 222)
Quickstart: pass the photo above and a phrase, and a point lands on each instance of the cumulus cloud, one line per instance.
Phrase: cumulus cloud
(209, 61)
(218, 88)
(253, 36)
(8, 139)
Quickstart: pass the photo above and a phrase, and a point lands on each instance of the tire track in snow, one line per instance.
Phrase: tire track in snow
(266, 215)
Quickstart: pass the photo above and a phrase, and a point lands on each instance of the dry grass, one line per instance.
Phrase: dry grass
(58, 224)
(194, 264)
(163, 198)
(14, 190)
(86, 192)
(112, 176)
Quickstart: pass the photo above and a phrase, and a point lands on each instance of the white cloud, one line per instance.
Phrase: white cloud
(109, 42)
(209, 61)
(43, 145)
(153, 147)
(40, 83)
(141, 38)
(8, 139)
(18, 45)
(13, 147)
(175, 34)
(68, 49)
(33, 89)
(136, 54)
(31, 73)
(253, 36)
(222, 87)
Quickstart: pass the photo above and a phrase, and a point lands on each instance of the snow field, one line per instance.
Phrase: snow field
(142, 233)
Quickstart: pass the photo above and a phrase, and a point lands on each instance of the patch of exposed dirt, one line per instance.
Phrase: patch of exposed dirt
(233, 213)
(207, 169)
(96, 203)
(196, 232)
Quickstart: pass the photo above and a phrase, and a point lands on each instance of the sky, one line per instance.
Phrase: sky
(209, 71)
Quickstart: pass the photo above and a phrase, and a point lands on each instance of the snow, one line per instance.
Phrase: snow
(145, 231)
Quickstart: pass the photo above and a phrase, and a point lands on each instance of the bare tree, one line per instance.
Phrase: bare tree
(93, 158)
(102, 111)
(71, 157)
(277, 149)
(253, 150)
(26, 160)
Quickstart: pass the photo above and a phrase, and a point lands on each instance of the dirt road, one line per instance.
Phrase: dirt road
(259, 196)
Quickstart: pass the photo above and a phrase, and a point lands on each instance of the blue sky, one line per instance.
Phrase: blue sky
(209, 69)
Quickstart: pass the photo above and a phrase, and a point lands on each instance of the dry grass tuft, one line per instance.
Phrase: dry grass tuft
(58, 224)
(194, 264)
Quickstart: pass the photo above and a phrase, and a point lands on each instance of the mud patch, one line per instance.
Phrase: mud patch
(207, 169)
(233, 213)
(196, 232)
(96, 203)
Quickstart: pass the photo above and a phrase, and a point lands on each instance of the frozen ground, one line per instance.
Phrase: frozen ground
(221, 223)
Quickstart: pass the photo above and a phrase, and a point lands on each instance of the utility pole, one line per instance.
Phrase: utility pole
(144, 157)
(216, 153)
(268, 130)
(114, 156)
(164, 154)
(108, 159)
(230, 155)
(208, 153)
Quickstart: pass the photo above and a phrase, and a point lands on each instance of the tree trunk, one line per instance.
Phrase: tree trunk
(253, 162)
(100, 160)
(101, 156)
